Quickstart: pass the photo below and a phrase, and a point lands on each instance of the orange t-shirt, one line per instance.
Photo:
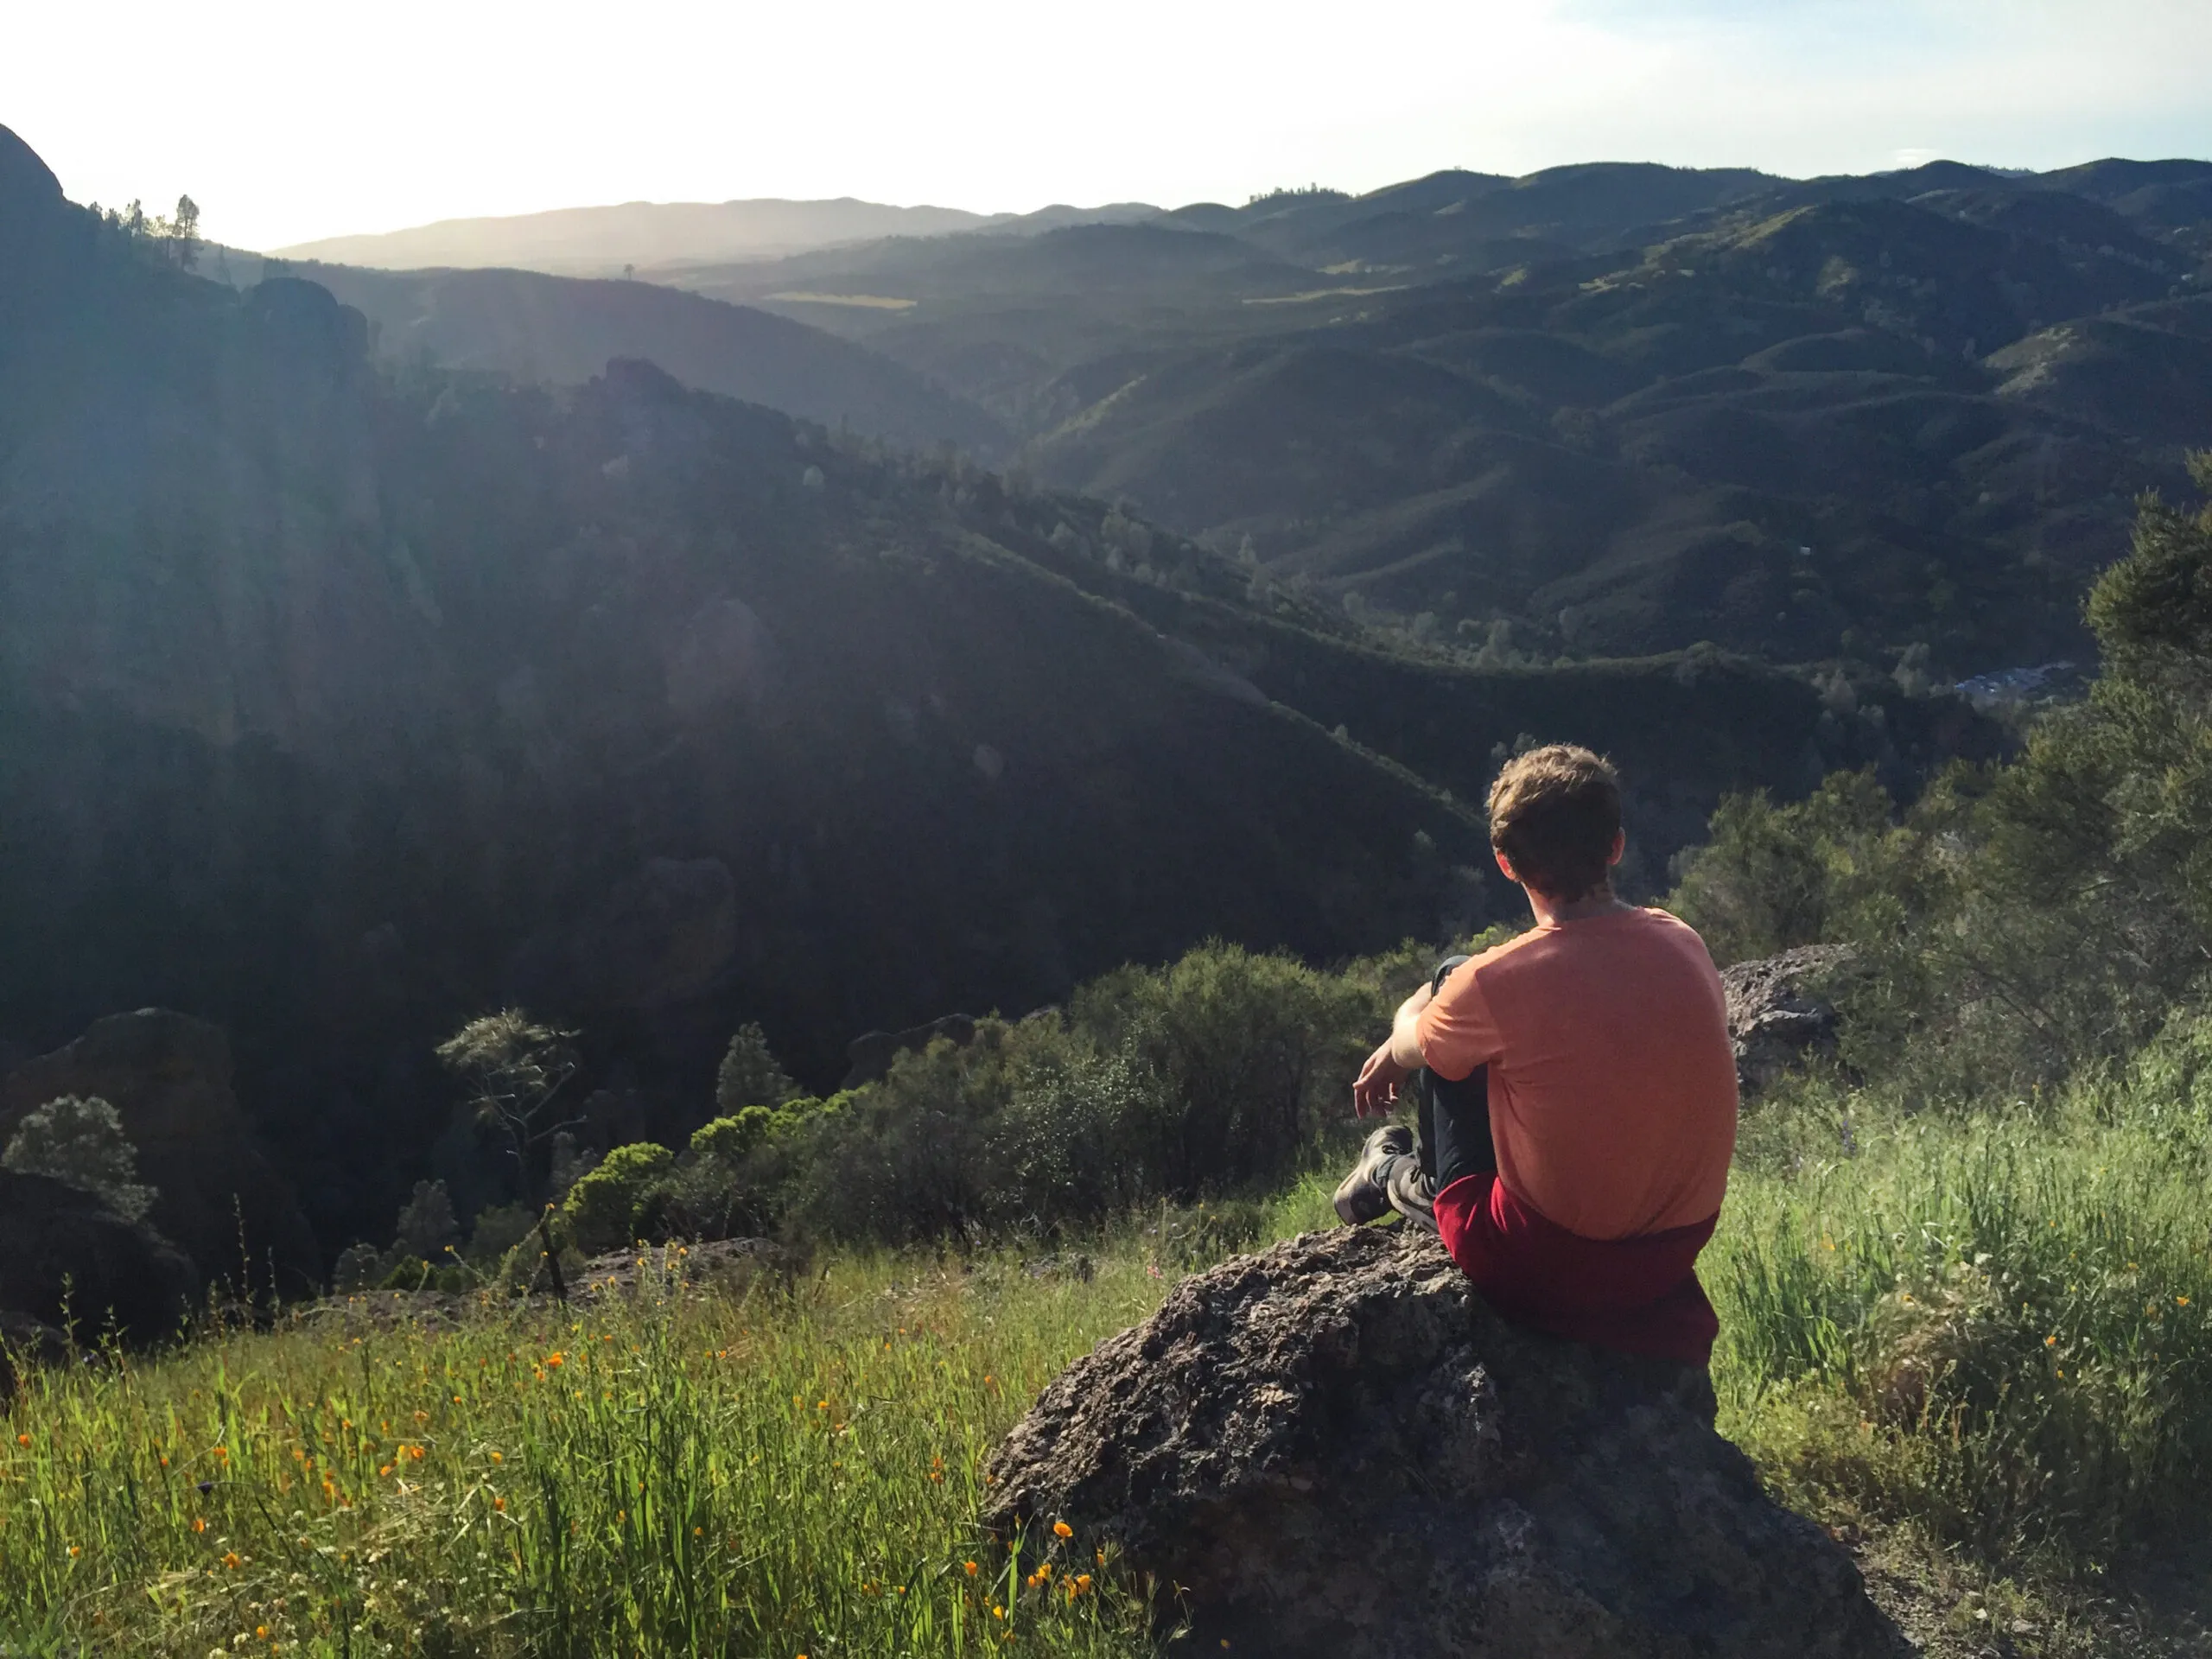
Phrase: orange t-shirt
(1612, 1083)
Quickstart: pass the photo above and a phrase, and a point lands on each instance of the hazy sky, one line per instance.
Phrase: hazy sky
(290, 121)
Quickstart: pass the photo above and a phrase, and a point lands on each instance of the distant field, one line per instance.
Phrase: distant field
(870, 301)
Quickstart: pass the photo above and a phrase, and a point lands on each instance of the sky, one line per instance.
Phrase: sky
(289, 121)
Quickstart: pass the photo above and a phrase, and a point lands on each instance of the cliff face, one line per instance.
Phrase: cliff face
(192, 525)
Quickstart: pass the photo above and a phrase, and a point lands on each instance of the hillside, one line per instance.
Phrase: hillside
(1798, 433)
(341, 704)
(600, 241)
(562, 331)
(1607, 409)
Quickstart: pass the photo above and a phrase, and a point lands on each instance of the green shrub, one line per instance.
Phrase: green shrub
(605, 1208)
(729, 1141)
(1254, 1058)
(80, 1142)
(496, 1230)
(735, 1177)
(1225, 1071)
(750, 1075)
(425, 1227)
(1772, 877)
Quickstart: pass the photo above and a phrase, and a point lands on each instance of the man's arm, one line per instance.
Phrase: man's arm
(1399, 1058)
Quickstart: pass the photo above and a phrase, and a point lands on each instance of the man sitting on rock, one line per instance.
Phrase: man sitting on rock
(1575, 1087)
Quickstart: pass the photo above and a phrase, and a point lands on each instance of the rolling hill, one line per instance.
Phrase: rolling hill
(600, 241)
(562, 331)
(338, 703)
(1608, 409)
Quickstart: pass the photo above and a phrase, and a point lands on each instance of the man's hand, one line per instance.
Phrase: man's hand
(1376, 1088)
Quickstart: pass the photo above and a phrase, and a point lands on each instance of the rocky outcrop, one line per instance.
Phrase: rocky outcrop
(169, 1077)
(68, 1261)
(1335, 1448)
(1777, 1017)
(871, 1056)
(26, 184)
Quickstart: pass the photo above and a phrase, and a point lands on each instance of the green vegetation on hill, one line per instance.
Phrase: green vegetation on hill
(344, 701)
(1978, 1344)
(1964, 1275)
(1619, 409)
(2024, 920)
(562, 332)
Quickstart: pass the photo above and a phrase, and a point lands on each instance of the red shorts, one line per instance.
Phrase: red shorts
(1639, 1295)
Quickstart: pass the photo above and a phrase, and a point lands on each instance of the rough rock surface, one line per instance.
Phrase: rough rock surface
(1776, 1019)
(67, 1258)
(1335, 1448)
(169, 1077)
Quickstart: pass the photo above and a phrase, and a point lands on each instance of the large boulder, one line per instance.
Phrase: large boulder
(67, 1260)
(1335, 1448)
(169, 1077)
(1779, 1015)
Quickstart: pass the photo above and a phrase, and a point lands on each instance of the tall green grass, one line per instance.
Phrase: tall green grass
(1991, 1325)
(1996, 1324)
(791, 1473)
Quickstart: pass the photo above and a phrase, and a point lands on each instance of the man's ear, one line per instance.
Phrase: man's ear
(1506, 866)
(1620, 846)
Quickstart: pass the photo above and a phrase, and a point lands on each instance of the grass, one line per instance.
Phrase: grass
(1980, 1339)
(1996, 1325)
(776, 1475)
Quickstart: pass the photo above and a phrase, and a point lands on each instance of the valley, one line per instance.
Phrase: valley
(655, 857)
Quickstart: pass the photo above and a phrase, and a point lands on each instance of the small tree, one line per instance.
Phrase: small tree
(182, 232)
(358, 1266)
(80, 1142)
(515, 1069)
(750, 1075)
(426, 1223)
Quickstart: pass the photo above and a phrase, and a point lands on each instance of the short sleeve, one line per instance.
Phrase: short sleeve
(1457, 1030)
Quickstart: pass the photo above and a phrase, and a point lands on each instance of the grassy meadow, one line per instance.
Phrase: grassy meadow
(1985, 1335)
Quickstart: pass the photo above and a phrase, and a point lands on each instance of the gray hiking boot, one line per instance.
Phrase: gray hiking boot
(1413, 1192)
(1364, 1195)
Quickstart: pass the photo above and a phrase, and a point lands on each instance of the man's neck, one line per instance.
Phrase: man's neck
(1599, 901)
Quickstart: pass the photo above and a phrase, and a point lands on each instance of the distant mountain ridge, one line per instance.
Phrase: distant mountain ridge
(562, 331)
(341, 700)
(602, 241)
